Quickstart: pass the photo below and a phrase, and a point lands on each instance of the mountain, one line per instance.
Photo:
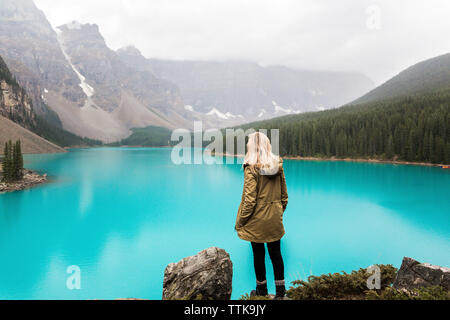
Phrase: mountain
(30, 48)
(243, 91)
(407, 119)
(118, 97)
(150, 136)
(17, 106)
(428, 76)
(17, 114)
(77, 82)
(31, 142)
(14, 102)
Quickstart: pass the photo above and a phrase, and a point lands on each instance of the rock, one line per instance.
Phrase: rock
(29, 180)
(206, 276)
(413, 274)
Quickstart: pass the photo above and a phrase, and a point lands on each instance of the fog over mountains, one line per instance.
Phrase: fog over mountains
(77, 82)
(245, 88)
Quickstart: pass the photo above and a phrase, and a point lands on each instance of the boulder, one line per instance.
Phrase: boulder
(413, 274)
(206, 276)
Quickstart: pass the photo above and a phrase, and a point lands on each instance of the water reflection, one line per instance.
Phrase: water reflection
(123, 214)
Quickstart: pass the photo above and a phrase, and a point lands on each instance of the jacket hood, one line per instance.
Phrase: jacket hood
(272, 171)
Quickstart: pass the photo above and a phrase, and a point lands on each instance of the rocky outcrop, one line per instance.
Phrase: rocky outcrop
(107, 74)
(77, 82)
(29, 46)
(413, 274)
(14, 102)
(17, 116)
(205, 276)
(30, 179)
(117, 96)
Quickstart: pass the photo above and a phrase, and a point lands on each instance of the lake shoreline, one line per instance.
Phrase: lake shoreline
(298, 158)
(124, 146)
(425, 164)
(30, 179)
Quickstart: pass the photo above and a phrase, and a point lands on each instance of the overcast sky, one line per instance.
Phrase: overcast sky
(378, 38)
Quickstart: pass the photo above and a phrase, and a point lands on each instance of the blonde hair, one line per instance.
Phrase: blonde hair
(259, 154)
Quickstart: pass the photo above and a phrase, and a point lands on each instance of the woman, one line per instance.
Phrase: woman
(260, 215)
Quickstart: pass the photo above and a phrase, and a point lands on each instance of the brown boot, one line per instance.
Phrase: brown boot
(261, 289)
(280, 289)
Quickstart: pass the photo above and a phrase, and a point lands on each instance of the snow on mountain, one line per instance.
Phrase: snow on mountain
(189, 108)
(279, 109)
(262, 113)
(224, 116)
(229, 115)
(217, 113)
(87, 89)
(216, 118)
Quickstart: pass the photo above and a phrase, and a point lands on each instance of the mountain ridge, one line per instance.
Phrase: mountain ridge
(17, 116)
(248, 89)
(78, 83)
(31, 142)
(414, 80)
(117, 95)
(33, 51)
(398, 126)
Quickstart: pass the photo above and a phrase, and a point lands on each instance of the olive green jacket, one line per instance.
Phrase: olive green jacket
(264, 200)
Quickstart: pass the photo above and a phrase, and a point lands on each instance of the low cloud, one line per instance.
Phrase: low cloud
(378, 38)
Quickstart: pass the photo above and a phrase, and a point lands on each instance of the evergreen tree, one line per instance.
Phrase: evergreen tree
(7, 163)
(5, 169)
(415, 128)
(447, 153)
(19, 159)
(390, 148)
(12, 162)
(12, 151)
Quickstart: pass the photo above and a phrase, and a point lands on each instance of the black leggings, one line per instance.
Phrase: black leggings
(259, 253)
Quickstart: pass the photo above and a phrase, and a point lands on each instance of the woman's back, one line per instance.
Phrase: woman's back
(269, 187)
(260, 214)
(264, 199)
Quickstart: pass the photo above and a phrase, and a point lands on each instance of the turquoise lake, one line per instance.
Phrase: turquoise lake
(123, 214)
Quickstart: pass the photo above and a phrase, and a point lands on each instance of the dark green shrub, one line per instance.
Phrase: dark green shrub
(425, 293)
(339, 285)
